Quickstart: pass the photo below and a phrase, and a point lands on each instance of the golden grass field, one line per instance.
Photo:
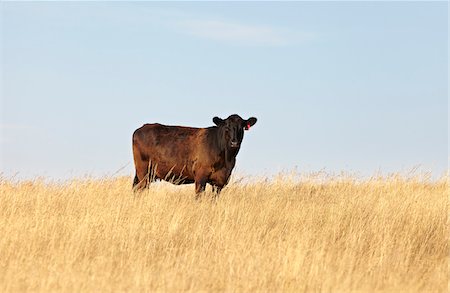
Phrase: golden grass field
(311, 233)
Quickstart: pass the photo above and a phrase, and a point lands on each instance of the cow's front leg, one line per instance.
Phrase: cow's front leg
(220, 180)
(216, 190)
(200, 185)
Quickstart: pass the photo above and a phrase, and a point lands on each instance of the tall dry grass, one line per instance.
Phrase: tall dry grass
(327, 234)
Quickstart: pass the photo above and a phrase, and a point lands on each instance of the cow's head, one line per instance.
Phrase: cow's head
(233, 129)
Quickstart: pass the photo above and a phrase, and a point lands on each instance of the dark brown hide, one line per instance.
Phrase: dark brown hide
(186, 155)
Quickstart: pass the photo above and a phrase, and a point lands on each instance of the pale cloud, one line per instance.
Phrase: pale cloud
(239, 33)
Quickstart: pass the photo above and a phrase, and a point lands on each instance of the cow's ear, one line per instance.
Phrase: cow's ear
(218, 121)
(250, 122)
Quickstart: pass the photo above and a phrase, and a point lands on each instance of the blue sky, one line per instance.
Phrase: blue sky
(339, 86)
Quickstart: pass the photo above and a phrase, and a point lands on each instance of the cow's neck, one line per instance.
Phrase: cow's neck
(230, 156)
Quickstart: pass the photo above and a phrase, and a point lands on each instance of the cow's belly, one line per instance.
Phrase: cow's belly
(173, 171)
(186, 181)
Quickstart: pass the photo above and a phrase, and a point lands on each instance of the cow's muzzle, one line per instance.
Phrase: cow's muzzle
(234, 144)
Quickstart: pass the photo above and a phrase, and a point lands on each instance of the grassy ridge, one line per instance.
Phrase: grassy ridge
(281, 235)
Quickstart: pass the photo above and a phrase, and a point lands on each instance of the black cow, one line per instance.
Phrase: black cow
(184, 155)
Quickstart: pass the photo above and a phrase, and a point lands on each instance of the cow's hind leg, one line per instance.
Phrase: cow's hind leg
(135, 181)
(141, 180)
(141, 185)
